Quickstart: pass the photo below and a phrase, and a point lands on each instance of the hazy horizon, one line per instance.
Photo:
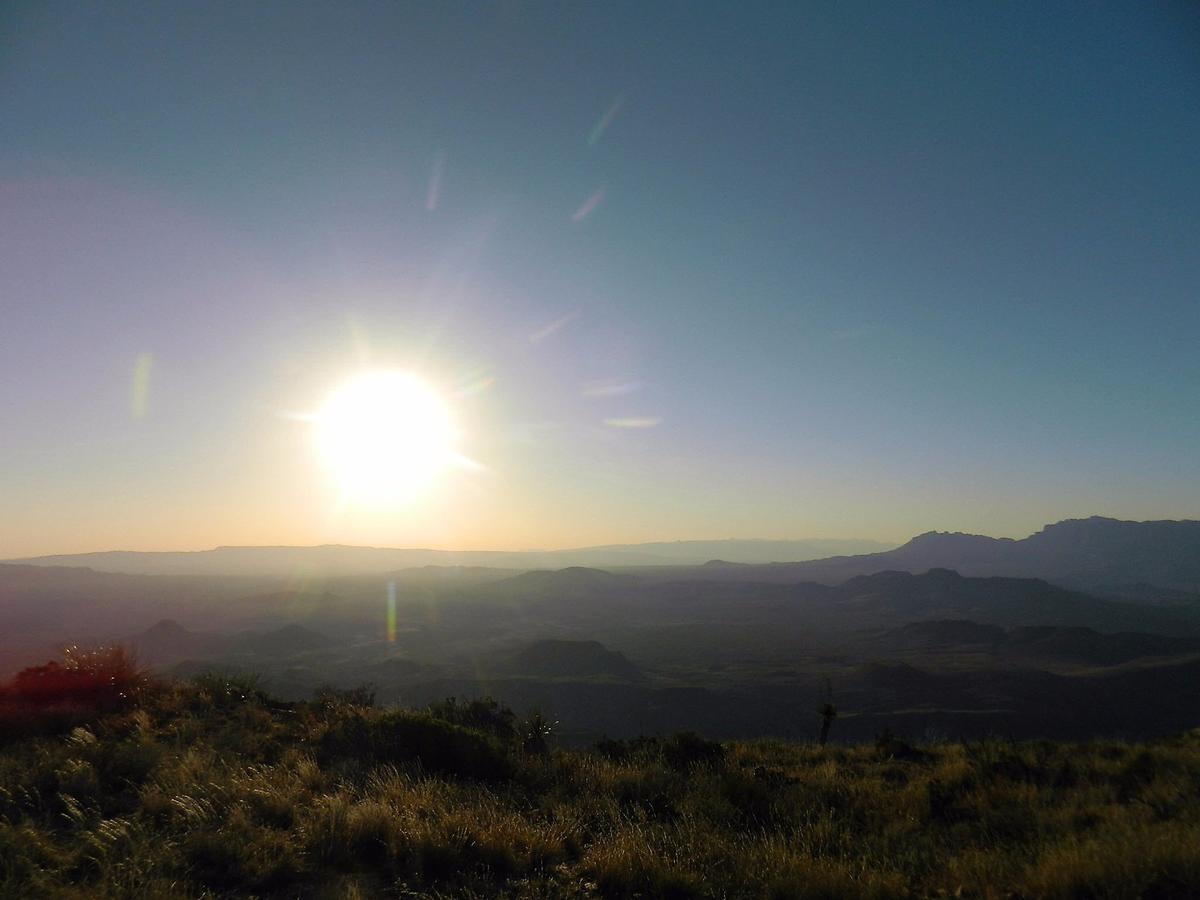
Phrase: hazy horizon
(547, 549)
(551, 276)
(868, 545)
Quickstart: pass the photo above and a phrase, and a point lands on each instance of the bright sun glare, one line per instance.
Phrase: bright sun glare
(386, 436)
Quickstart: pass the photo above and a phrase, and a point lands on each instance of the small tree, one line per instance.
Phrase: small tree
(827, 711)
(534, 733)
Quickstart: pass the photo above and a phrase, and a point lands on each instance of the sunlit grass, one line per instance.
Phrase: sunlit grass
(211, 788)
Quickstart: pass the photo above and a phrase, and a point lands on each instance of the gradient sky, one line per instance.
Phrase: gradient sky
(855, 269)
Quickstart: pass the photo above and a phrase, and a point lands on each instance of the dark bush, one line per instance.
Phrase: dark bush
(361, 696)
(648, 877)
(400, 737)
(127, 764)
(609, 748)
(639, 748)
(481, 714)
(215, 859)
(947, 800)
(749, 794)
(892, 747)
(59, 695)
(1002, 760)
(225, 690)
(100, 679)
(534, 733)
(686, 749)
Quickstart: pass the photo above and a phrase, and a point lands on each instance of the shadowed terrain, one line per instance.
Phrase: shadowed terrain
(727, 650)
(211, 787)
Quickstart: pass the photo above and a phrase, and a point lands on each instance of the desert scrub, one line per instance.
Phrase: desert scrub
(212, 789)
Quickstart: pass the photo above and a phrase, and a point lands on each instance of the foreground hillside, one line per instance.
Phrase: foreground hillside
(209, 788)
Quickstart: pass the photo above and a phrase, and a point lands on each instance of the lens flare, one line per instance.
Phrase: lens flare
(610, 387)
(391, 612)
(588, 207)
(605, 120)
(433, 194)
(139, 401)
(546, 330)
(634, 422)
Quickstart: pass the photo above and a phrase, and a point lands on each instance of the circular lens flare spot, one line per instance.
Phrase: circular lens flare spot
(385, 436)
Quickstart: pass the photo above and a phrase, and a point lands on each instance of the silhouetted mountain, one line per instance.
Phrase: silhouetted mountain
(281, 642)
(336, 560)
(449, 576)
(573, 659)
(944, 590)
(896, 676)
(1042, 642)
(949, 631)
(570, 583)
(168, 641)
(40, 604)
(396, 667)
(599, 601)
(1078, 552)
(1141, 592)
(1087, 646)
(943, 593)
(1095, 555)
(732, 550)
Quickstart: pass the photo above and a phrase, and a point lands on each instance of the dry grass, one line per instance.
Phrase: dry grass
(208, 790)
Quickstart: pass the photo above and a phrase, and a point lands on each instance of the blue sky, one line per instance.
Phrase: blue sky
(871, 269)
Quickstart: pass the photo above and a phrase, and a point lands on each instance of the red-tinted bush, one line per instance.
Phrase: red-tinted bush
(59, 694)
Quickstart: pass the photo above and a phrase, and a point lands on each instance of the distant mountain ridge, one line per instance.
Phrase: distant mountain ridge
(168, 641)
(1069, 642)
(1154, 560)
(1157, 549)
(1096, 554)
(336, 559)
(573, 659)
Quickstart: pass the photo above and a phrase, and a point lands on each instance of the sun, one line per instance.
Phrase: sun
(386, 437)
